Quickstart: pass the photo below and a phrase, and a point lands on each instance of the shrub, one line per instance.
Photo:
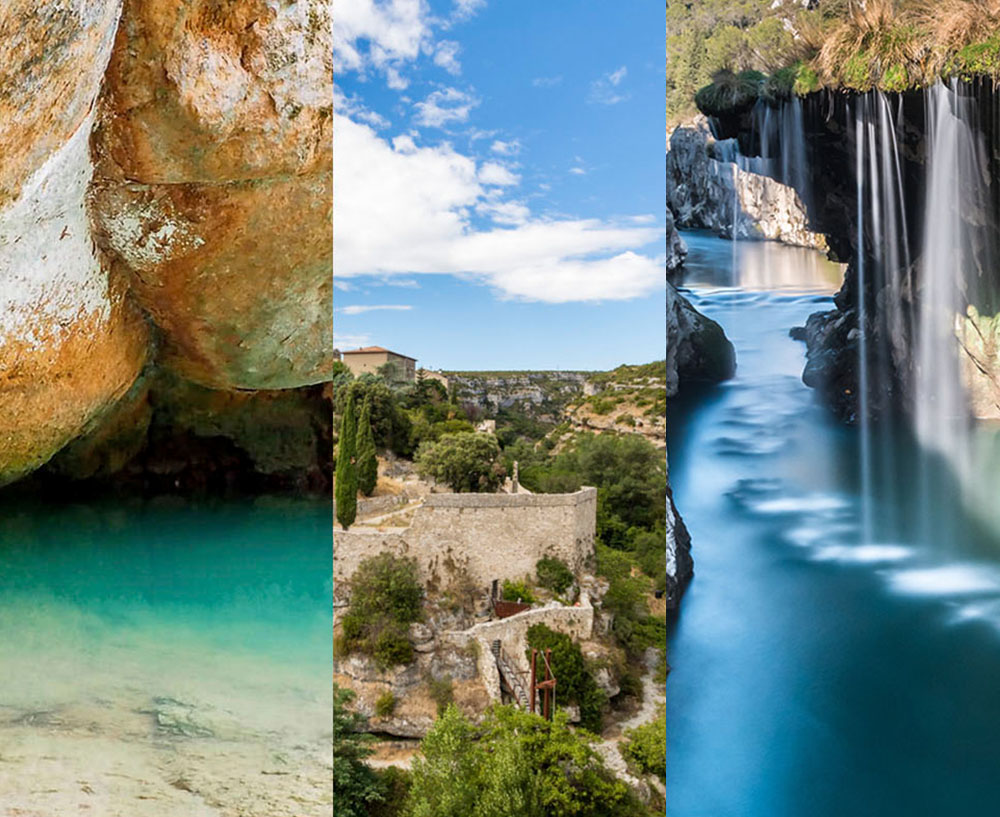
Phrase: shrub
(466, 461)
(385, 704)
(516, 591)
(574, 683)
(396, 783)
(647, 745)
(730, 93)
(442, 692)
(385, 598)
(554, 574)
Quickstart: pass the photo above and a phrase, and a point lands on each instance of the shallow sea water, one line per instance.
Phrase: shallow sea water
(165, 658)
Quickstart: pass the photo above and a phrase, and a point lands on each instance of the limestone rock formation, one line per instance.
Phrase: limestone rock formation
(676, 248)
(215, 190)
(192, 195)
(71, 342)
(707, 189)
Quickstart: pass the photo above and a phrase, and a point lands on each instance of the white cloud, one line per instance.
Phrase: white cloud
(464, 9)
(377, 34)
(495, 173)
(604, 90)
(547, 82)
(511, 148)
(578, 171)
(353, 107)
(446, 57)
(341, 341)
(444, 106)
(360, 309)
(405, 210)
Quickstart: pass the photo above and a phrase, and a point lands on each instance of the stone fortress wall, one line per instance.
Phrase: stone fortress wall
(479, 536)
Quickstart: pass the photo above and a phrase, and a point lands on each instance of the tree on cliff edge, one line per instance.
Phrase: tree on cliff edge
(367, 461)
(347, 469)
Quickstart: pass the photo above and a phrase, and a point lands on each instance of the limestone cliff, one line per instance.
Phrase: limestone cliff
(708, 189)
(165, 206)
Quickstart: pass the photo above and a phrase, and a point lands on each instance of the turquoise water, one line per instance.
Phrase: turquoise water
(164, 625)
(814, 673)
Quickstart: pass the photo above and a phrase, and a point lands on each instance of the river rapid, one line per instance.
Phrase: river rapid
(816, 672)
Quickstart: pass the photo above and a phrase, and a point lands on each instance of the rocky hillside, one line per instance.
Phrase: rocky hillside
(144, 224)
(540, 395)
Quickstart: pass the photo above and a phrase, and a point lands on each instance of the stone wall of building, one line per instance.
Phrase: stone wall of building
(479, 537)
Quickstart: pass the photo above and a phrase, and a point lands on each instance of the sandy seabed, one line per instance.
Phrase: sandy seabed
(156, 716)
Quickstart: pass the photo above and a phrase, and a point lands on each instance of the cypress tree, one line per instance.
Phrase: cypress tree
(367, 461)
(347, 469)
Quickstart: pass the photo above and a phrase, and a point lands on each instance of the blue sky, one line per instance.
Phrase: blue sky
(499, 182)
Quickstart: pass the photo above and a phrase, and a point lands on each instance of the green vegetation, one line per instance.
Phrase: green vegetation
(355, 784)
(517, 591)
(554, 575)
(385, 704)
(719, 52)
(626, 599)
(466, 461)
(647, 745)
(347, 473)
(367, 461)
(512, 763)
(442, 692)
(385, 600)
(574, 683)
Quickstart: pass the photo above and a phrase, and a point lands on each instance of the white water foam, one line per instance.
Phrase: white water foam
(946, 580)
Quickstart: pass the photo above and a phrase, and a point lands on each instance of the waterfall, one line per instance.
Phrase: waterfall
(864, 414)
(941, 411)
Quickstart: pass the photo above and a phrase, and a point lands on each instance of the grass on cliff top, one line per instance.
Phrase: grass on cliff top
(892, 45)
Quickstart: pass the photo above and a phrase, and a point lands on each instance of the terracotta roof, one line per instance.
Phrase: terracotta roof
(376, 349)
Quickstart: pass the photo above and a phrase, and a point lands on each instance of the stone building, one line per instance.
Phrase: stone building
(369, 359)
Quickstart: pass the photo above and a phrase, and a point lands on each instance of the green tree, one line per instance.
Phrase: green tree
(514, 763)
(367, 460)
(347, 471)
(466, 461)
(355, 784)
(574, 683)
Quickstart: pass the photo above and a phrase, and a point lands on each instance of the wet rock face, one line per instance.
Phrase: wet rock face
(676, 248)
(71, 342)
(697, 350)
(705, 189)
(216, 126)
(697, 347)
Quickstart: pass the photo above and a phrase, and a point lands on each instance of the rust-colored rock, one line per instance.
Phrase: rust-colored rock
(220, 90)
(237, 276)
(71, 341)
(51, 390)
(52, 58)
